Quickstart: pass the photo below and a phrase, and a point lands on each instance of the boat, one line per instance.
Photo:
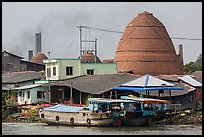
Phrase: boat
(142, 111)
(98, 113)
(127, 111)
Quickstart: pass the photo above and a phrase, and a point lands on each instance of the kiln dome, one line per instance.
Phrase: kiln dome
(146, 48)
(38, 58)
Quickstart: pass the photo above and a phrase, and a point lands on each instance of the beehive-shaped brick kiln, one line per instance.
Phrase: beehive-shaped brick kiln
(146, 48)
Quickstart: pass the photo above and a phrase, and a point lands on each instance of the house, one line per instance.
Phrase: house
(192, 88)
(176, 92)
(15, 63)
(197, 85)
(31, 94)
(59, 69)
(10, 62)
(77, 89)
(18, 79)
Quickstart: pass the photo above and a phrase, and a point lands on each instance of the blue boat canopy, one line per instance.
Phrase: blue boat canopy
(64, 108)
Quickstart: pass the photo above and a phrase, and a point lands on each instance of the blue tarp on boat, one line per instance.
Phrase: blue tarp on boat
(64, 108)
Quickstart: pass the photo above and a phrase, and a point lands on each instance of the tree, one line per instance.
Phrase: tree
(194, 66)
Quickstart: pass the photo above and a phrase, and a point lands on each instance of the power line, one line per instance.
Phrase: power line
(113, 31)
(185, 38)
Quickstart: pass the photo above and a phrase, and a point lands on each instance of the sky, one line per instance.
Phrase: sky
(58, 21)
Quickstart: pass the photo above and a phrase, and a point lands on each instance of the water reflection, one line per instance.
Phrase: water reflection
(44, 129)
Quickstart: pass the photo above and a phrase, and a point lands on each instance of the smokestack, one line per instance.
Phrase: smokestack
(37, 42)
(181, 53)
(30, 54)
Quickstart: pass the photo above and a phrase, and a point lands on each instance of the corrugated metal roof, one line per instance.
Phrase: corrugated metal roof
(28, 86)
(147, 81)
(95, 84)
(190, 81)
(12, 54)
(16, 77)
(7, 87)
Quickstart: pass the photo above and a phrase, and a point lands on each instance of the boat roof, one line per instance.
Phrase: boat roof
(64, 108)
(145, 100)
(106, 100)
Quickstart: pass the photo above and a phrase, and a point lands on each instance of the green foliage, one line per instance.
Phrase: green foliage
(194, 66)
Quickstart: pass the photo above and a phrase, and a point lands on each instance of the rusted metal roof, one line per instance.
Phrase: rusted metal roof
(38, 58)
(89, 57)
(197, 74)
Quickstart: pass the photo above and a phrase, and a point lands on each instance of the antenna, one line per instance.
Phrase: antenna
(85, 41)
(49, 53)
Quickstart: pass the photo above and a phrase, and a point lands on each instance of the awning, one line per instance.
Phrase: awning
(147, 88)
(28, 86)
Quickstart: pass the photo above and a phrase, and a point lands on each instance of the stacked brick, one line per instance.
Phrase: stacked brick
(145, 47)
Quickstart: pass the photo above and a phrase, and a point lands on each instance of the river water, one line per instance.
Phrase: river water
(44, 129)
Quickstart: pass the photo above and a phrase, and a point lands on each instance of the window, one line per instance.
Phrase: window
(40, 94)
(54, 71)
(69, 70)
(28, 94)
(90, 71)
(48, 72)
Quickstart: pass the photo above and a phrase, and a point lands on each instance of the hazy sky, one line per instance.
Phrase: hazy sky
(57, 23)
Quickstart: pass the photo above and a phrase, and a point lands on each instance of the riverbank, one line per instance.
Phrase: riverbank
(184, 117)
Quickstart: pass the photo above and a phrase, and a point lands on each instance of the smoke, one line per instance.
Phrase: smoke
(60, 36)
(22, 43)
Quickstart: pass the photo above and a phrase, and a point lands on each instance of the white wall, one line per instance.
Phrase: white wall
(33, 95)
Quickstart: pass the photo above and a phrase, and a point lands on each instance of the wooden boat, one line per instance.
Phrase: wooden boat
(127, 111)
(142, 111)
(93, 115)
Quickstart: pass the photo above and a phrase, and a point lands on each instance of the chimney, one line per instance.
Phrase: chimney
(30, 54)
(37, 42)
(181, 53)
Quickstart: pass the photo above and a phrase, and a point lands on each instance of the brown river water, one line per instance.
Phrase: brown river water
(44, 129)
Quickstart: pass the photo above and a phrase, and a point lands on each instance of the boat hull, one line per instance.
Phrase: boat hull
(76, 119)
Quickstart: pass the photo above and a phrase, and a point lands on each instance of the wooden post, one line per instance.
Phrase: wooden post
(80, 97)
(115, 94)
(111, 94)
(49, 95)
(71, 93)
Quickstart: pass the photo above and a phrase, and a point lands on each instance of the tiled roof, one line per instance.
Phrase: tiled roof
(16, 77)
